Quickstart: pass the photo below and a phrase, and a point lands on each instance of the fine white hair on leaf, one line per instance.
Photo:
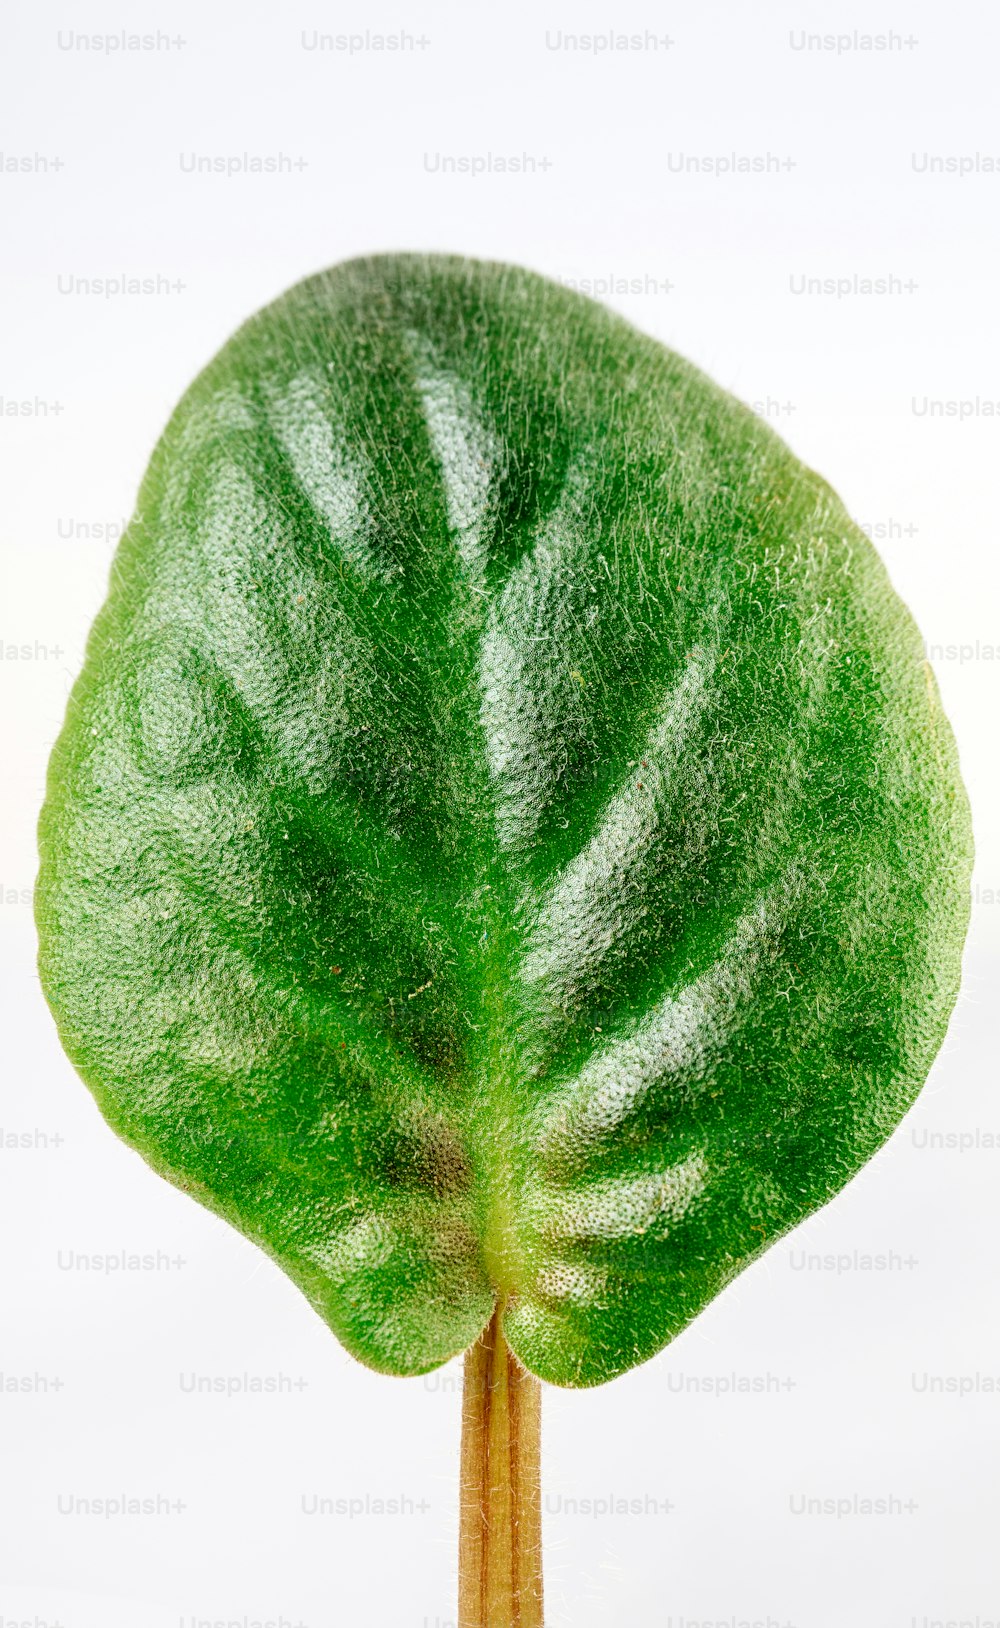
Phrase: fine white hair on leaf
(572, 1283)
(682, 1037)
(624, 1206)
(366, 1245)
(300, 415)
(469, 455)
(434, 1231)
(581, 917)
(535, 614)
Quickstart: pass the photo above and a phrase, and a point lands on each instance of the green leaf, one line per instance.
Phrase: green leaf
(505, 840)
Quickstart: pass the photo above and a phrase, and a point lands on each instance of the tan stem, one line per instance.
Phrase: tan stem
(500, 1528)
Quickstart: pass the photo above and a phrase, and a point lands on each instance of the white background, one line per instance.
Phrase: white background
(846, 381)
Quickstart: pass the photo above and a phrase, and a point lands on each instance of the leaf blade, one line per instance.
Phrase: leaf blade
(504, 840)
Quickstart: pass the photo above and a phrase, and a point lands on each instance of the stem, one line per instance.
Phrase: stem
(500, 1528)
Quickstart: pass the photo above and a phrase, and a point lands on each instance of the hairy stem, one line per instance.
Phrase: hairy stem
(500, 1531)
